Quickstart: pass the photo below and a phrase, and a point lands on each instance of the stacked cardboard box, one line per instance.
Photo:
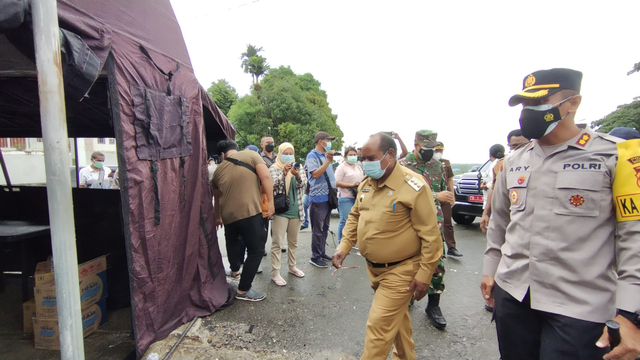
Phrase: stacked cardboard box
(93, 293)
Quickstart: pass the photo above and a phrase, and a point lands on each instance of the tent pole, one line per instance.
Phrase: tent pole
(57, 165)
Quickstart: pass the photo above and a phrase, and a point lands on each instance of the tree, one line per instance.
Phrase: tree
(290, 108)
(258, 67)
(626, 116)
(254, 64)
(636, 68)
(223, 94)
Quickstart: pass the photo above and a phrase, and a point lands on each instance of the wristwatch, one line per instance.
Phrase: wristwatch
(633, 317)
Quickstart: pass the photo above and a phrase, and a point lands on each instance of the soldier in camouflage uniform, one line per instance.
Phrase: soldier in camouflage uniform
(422, 162)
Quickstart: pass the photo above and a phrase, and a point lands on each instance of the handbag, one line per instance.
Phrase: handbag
(333, 193)
(281, 203)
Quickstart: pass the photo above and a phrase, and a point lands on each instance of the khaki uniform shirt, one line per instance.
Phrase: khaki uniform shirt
(394, 221)
(241, 194)
(553, 229)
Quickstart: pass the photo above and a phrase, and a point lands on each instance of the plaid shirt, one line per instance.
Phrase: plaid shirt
(279, 184)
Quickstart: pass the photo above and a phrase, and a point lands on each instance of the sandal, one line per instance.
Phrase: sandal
(297, 272)
(279, 281)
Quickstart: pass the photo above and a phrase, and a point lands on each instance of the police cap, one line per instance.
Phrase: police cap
(544, 83)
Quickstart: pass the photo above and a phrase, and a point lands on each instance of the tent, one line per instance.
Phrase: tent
(127, 75)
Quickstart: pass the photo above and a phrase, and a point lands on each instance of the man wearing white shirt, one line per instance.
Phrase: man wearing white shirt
(96, 175)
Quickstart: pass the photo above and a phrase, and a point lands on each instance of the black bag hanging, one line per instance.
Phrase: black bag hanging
(333, 193)
(281, 203)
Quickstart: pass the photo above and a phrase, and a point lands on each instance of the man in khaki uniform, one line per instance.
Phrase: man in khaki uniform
(394, 224)
(563, 250)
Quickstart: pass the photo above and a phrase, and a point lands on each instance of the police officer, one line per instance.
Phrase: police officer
(449, 237)
(422, 162)
(564, 221)
(394, 224)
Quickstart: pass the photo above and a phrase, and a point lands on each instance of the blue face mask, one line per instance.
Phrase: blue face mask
(352, 159)
(287, 158)
(328, 146)
(373, 169)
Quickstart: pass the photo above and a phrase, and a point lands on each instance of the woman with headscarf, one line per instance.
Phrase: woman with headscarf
(290, 181)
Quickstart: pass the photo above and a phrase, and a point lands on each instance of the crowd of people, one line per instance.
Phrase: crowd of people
(561, 220)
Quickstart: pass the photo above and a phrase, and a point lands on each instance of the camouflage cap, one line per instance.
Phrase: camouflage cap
(439, 146)
(426, 138)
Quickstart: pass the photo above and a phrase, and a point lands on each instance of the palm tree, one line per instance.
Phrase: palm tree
(257, 66)
(246, 56)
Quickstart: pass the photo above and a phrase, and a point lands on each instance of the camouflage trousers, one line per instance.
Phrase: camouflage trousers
(437, 281)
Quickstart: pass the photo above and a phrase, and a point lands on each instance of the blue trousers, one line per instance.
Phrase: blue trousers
(344, 208)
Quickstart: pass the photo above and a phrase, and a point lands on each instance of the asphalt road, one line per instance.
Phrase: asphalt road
(323, 316)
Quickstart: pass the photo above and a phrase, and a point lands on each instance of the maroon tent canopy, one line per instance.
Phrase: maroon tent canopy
(163, 121)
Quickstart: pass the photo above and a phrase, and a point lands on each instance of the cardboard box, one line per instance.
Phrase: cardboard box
(44, 270)
(28, 313)
(46, 331)
(92, 289)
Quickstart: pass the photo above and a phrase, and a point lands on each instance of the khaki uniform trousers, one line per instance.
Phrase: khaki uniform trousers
(281, 226)
(389, 322)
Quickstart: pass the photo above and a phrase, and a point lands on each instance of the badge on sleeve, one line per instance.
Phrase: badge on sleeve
(626, 185)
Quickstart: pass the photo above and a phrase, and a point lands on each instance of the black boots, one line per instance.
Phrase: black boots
(434, 313)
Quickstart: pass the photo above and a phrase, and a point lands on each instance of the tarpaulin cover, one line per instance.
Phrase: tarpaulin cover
(175, 265)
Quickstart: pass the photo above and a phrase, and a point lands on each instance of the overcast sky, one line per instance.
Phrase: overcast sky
(448, 66)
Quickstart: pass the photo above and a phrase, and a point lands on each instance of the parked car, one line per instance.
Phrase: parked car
(468, 195)
(456, 178)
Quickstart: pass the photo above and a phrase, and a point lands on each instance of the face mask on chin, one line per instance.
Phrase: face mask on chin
(538, 121)
(373, 169)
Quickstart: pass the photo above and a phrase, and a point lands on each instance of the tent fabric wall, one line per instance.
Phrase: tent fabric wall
(175, 265)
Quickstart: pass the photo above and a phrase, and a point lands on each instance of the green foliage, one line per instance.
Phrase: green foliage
(289, 107)
(626, 115)
(636, 68)
(254, 64)
(223, 94)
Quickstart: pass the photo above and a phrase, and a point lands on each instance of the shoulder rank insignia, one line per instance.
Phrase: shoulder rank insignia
(583, 140)
(414, 183)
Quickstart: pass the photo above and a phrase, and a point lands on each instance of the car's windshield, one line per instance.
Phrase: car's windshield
(485, 168)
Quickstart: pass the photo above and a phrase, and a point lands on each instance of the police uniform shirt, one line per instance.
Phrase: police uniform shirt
(394, 221)
(553, 229)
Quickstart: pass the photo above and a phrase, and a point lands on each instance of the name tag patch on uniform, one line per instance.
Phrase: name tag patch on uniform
(582, 166)
(366, 190)
(626, 191)
(519, 168)
(576, 200)
(514, 196)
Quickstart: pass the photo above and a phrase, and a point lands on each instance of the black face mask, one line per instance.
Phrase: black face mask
(538, 121)
(269, 148)
(426, 154)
